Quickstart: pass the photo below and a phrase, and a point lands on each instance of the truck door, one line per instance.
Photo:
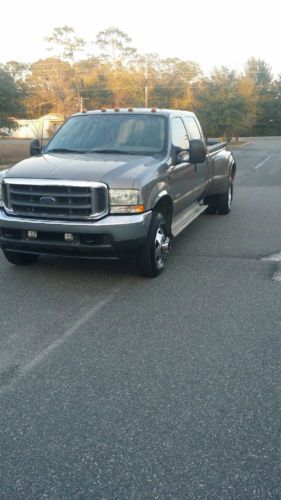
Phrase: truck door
(201, 175)
(181, 174)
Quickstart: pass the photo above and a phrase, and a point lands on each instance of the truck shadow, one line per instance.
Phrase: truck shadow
(91, 267)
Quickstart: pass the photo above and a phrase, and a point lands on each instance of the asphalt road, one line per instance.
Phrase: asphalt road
(118, 387)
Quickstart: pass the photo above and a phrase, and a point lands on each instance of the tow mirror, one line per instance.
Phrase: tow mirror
(35, 147)
(197, 151)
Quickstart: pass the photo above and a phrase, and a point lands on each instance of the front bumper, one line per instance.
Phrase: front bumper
(110, 237)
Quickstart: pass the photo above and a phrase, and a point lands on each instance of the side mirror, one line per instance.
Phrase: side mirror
(183, 156)
(35, 147)
(197, 151)
(179, 155)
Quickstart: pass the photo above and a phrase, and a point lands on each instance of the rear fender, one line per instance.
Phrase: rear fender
(224, 170)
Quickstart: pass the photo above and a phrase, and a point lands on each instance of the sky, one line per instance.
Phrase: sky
(211, 33)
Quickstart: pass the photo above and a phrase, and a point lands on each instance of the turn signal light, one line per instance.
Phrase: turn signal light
(139, 209)
(127, 209)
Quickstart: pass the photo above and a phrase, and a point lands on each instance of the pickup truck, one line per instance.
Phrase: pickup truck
(114, 183)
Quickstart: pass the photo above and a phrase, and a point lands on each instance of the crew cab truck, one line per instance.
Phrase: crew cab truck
(111, 183)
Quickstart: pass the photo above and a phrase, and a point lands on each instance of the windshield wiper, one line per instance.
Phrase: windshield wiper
(65, 150)
(121, 151)
(116, 151)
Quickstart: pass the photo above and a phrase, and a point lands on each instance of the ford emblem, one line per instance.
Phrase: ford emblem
(47, 200)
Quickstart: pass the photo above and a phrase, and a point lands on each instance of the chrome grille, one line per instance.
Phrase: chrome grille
(56, 199)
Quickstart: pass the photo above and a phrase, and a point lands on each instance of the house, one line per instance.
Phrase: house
(41, 128)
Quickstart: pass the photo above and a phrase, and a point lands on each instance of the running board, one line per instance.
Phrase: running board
(183, 219)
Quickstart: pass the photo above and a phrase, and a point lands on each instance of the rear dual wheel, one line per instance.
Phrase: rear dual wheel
(225, 200)
(220, 203)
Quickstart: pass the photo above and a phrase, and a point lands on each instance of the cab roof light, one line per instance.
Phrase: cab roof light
(116, 110)
(130, 110)
(103, 110)
(153, 110)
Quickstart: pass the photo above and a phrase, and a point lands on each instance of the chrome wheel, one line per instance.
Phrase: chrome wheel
(161, 247)
(152, 256)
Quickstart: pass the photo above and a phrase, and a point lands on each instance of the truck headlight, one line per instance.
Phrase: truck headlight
(2, 175)
(125, 201)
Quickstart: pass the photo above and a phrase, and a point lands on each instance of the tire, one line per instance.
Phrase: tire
(212, 208)
(20, 259)
(153, 254)
(225, 200)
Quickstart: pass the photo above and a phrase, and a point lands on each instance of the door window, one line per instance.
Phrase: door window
(179, 135)
(192, 128)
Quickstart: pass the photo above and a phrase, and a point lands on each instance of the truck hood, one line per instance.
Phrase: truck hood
(115, 170)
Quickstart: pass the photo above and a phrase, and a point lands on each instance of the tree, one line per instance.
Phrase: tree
(259, 72)
(222, 105)
(103, 85)
(269, 119)
(19, 71)
(172, 83)
(51, 87)
(115, 46)
(268, 97)
(11, 95)
(64, 41)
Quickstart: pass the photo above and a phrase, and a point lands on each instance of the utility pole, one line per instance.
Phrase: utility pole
(145, 85)
(82, 99)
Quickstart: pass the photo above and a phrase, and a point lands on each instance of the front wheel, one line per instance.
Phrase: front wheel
(20, 259)
(153, 254)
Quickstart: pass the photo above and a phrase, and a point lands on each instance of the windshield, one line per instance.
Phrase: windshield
(118, 133)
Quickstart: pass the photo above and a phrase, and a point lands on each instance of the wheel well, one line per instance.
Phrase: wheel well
(165, 207)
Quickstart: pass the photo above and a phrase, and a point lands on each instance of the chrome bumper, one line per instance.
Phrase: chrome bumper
(120, 227)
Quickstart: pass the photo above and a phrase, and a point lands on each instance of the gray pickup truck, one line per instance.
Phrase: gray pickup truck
(114, 183)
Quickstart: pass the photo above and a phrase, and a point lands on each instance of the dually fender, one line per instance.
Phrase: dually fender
(224, 169)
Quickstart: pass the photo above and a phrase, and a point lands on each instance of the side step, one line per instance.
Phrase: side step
(184, 218)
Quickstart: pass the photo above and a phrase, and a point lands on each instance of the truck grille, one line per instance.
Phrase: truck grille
(56, 199)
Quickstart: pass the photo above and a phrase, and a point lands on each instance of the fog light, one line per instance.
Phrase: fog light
(68, 237)
(32, 235)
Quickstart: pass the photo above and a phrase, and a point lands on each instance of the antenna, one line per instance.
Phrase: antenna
(42, 133)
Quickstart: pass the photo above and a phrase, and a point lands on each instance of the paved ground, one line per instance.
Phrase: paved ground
(116, 387)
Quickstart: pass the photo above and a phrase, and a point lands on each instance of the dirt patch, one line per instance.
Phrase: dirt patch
(13, 152)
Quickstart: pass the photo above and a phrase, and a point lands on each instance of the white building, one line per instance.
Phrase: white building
(42, 127)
